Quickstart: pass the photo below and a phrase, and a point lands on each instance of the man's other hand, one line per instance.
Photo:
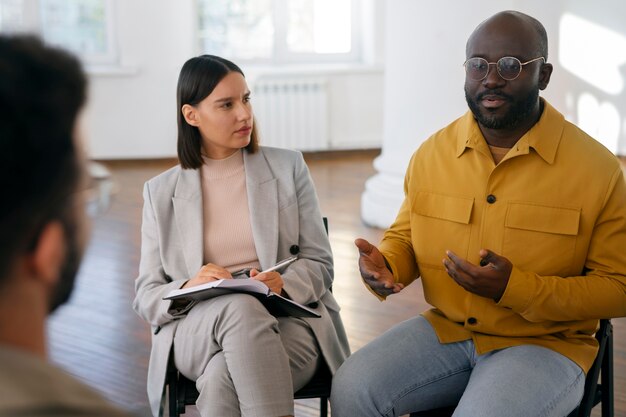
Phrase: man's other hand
(489, 279)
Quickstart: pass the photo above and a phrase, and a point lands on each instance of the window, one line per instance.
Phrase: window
(82, 26)
(10, 15)
(280, 31)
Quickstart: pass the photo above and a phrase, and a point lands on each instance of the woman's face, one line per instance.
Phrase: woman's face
(224, 117)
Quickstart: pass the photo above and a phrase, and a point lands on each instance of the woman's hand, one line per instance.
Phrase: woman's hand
(208, 273)
(272, 279)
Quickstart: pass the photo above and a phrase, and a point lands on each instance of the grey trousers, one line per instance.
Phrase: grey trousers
(245, 361)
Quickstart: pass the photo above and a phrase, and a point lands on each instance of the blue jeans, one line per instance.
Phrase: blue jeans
(407, 369)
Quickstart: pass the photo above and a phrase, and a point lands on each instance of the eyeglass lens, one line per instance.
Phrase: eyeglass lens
(508, 67)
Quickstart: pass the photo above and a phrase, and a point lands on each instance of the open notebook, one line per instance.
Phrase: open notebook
(276, 304)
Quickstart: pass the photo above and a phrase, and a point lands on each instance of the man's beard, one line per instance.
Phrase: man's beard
(519, 112)
(70, 267)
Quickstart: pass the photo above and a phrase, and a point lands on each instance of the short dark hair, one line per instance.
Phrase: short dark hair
(542, 45)
(198, 78)
(42, 90)
(542, 48)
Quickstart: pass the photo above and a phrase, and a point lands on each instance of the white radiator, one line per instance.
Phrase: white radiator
(292, 113)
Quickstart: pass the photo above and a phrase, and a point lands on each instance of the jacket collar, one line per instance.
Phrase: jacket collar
(262, 188)
(187, 201)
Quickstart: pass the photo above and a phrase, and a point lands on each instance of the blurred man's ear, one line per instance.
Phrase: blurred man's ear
(46, 259)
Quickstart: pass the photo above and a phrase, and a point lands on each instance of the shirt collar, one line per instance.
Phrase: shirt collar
(544, 137)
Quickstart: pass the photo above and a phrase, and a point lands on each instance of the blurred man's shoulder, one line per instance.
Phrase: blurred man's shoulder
(32, 387)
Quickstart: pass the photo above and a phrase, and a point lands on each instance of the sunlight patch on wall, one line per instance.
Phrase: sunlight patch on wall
(592, 53)
(597, 56)
(600, 120)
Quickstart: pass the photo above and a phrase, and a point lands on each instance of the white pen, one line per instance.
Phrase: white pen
(245, 273)
(281, 264)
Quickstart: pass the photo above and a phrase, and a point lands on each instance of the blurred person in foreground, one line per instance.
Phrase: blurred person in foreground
(515, 221)
(42, 224)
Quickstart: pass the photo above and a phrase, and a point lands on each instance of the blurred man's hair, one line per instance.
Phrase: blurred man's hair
(42, 90)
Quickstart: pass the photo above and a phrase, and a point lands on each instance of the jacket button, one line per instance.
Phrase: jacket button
(472, 320)
(314, 304)
(491, 199)
(294, 249)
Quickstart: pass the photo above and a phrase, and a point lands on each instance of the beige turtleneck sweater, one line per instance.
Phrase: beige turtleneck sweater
(228, 240)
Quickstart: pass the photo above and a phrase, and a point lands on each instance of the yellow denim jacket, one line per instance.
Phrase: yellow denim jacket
(555, 206)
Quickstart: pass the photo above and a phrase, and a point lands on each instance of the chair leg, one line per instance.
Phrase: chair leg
(173, 403)
(324, 407)
(606, 377)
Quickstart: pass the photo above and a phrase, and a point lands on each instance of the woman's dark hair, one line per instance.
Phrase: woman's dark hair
(42, 90)
(198, 78)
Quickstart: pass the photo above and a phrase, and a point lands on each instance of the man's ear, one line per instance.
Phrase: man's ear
(544, 75)
(190, 114)
(46, 259)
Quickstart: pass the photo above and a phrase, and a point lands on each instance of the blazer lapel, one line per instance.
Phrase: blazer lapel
(263, 203)
(187, 202)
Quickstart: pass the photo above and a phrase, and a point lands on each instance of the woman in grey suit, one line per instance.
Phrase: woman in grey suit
(232, 204)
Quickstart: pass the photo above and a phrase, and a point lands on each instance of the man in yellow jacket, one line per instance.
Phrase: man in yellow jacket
(515, 220)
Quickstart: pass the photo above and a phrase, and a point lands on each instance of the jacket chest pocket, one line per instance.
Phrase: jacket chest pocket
(541, 239)
(440, 222)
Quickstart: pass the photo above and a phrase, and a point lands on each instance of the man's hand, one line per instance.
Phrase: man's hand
(374, 269)
(489, 279)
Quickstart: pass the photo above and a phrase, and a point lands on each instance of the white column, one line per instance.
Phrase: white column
(425, 50)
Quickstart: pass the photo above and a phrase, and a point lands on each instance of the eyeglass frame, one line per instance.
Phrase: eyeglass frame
(522, 64)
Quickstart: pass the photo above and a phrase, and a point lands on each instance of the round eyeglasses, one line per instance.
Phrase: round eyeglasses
(508, 67)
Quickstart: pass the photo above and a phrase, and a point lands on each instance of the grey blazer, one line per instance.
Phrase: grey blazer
(284, 212)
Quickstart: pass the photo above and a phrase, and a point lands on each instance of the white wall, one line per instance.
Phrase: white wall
(356, 117)
(396, 99)
(132, 112)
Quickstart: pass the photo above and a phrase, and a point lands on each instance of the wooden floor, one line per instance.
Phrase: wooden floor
(98, 337)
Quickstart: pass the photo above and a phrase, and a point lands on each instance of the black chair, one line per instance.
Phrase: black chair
(595, 392)
(182, 391)
(599, 392)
